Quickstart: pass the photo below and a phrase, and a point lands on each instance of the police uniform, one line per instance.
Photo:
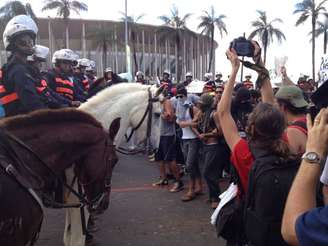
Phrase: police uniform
(61, 84)
(81, 86)
(48, 96)
(18, 93)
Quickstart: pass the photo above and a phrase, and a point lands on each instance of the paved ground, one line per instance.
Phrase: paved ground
(141, 215)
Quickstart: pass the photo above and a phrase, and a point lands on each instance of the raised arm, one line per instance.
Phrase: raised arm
(228, 125)
(266, 88)
(285, 79)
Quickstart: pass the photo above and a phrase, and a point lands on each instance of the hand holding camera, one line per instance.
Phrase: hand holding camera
(233, 57)
(248, 48)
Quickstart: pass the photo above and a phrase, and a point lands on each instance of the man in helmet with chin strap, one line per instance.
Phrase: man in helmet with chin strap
(60, 78)
(49, 97)
(18, 93)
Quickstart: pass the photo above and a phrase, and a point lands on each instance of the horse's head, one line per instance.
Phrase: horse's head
(97, 189)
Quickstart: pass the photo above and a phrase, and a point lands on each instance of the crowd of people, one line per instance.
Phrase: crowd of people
(258, 136)
(261, 137)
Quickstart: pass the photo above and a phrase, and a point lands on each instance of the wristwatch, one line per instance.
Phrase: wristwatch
(312, 157)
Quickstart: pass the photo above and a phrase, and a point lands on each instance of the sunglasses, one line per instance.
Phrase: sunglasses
(179, 96)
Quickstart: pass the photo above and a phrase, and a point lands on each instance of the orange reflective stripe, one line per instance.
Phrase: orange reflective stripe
(40, 89)
(86, 84)
(64, 90)
(44, 83)
(2, 89)
(65, 82)
(9, 98)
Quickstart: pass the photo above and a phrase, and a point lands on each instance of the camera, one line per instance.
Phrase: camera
(243, 47)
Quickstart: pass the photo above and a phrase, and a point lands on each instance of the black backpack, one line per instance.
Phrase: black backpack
(269, 182)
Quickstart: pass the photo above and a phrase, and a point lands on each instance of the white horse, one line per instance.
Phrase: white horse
(129, 102)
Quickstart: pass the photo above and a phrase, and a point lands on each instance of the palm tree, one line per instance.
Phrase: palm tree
(132, 21)
(64, 9)
(322, 28)
(102, 38)
(179, 25)
(265, 31)
(13, 8)
(208, 23)
(306, 9)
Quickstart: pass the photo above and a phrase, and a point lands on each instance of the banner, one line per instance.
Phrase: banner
(323, 72)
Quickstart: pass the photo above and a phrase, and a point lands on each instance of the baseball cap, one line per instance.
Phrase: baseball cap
(292, 94)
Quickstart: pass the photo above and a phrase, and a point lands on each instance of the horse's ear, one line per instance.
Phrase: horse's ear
(114, 127)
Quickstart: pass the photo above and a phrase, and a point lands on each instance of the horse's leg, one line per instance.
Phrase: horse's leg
(73, 234)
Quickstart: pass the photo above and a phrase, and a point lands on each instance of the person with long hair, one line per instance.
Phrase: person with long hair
(265, 134)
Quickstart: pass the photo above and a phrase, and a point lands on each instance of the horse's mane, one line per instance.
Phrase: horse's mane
(45, 116)
(111, 94)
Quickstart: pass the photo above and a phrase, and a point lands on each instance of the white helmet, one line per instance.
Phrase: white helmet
(139, 73)
(40, 52)
(218, 73)
(84, 62)
(167, 72)
(108, 69)
(92, 66)
(65, 55)
(20, 24)
(208, 75)
(189, 74)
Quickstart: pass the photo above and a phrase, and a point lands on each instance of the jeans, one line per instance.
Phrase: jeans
(214, 164)
(190, 148)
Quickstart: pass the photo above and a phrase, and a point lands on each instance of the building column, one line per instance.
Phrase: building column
(149, 57)
(50, 40)
(184, 57)
(155, 44)
(143, 52)
(116, 50)
(84, 45)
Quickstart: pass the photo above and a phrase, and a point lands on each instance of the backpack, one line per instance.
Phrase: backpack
(269, 183)
(230, 220)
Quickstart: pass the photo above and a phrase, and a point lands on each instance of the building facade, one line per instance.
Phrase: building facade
(152, 49)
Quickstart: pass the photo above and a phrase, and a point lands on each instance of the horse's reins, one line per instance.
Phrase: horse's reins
(82, 199)
(149, 112)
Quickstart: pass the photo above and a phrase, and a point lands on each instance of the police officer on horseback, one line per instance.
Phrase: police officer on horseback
(60, 78)
(18, 93)
(49, 97)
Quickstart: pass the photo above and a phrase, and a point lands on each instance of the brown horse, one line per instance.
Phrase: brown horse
(60, 138)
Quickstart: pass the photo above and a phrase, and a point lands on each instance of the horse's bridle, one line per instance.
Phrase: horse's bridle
(149, 112)
(94, 203)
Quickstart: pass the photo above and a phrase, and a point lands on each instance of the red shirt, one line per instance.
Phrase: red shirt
(242, 159)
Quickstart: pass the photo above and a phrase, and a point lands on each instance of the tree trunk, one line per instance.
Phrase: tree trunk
(178, 57)
(133, 35)
(211, 51)
(265, 46)
(67, 35)
(325, 36)
(313, 42)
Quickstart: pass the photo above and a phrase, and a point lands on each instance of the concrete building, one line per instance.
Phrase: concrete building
(152, 51)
